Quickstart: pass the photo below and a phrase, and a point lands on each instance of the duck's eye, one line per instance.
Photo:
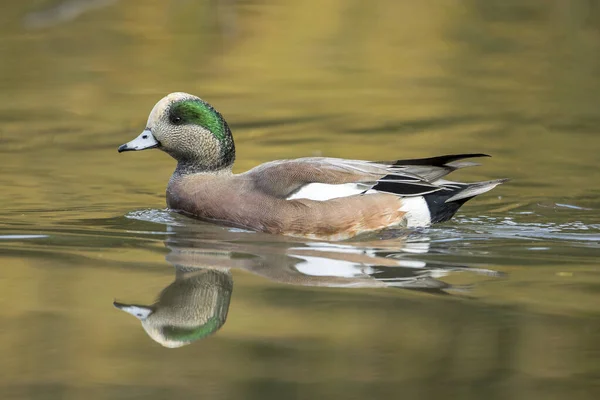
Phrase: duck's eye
(175, 119)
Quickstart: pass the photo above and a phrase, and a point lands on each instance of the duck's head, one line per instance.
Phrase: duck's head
(190, 130)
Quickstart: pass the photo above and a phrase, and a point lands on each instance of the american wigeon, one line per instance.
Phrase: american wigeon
(317, 197)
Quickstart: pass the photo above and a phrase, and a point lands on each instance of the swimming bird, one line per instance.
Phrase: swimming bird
(314, 197)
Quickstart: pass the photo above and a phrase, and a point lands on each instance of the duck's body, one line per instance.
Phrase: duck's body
(320, 198)
(239, 200)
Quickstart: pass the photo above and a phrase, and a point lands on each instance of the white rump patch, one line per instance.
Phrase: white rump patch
(324, 191)
(417, 211)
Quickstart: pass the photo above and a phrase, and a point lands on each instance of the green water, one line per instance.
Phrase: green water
(501, 302)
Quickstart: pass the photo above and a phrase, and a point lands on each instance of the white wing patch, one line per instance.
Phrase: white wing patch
(324, 191)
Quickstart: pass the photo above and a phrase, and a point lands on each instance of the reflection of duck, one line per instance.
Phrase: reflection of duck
(377, 264)
(193, 307)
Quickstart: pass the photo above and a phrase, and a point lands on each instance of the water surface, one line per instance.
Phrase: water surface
(501, 302)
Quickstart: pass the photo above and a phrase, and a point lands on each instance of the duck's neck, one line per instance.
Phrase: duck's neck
(206, 160)
(190, 167)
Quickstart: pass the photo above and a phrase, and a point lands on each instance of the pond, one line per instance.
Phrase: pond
(500, 302)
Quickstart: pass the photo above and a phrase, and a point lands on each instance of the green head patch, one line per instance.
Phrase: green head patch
(198, 112)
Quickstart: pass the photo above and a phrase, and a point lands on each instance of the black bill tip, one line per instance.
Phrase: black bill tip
(119, 305)
(123, 148)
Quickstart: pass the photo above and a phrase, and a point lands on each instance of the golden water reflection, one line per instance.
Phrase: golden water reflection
(369, 80)
(196, 304)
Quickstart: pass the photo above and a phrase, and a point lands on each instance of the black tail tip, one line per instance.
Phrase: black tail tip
(443, 204)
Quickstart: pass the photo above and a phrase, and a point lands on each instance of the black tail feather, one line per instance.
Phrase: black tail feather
(443, 204)
(417, 188)
(428, 169)
(439, 210)
(439, 161)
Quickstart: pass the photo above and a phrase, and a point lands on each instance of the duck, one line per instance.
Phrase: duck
(321, 198)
